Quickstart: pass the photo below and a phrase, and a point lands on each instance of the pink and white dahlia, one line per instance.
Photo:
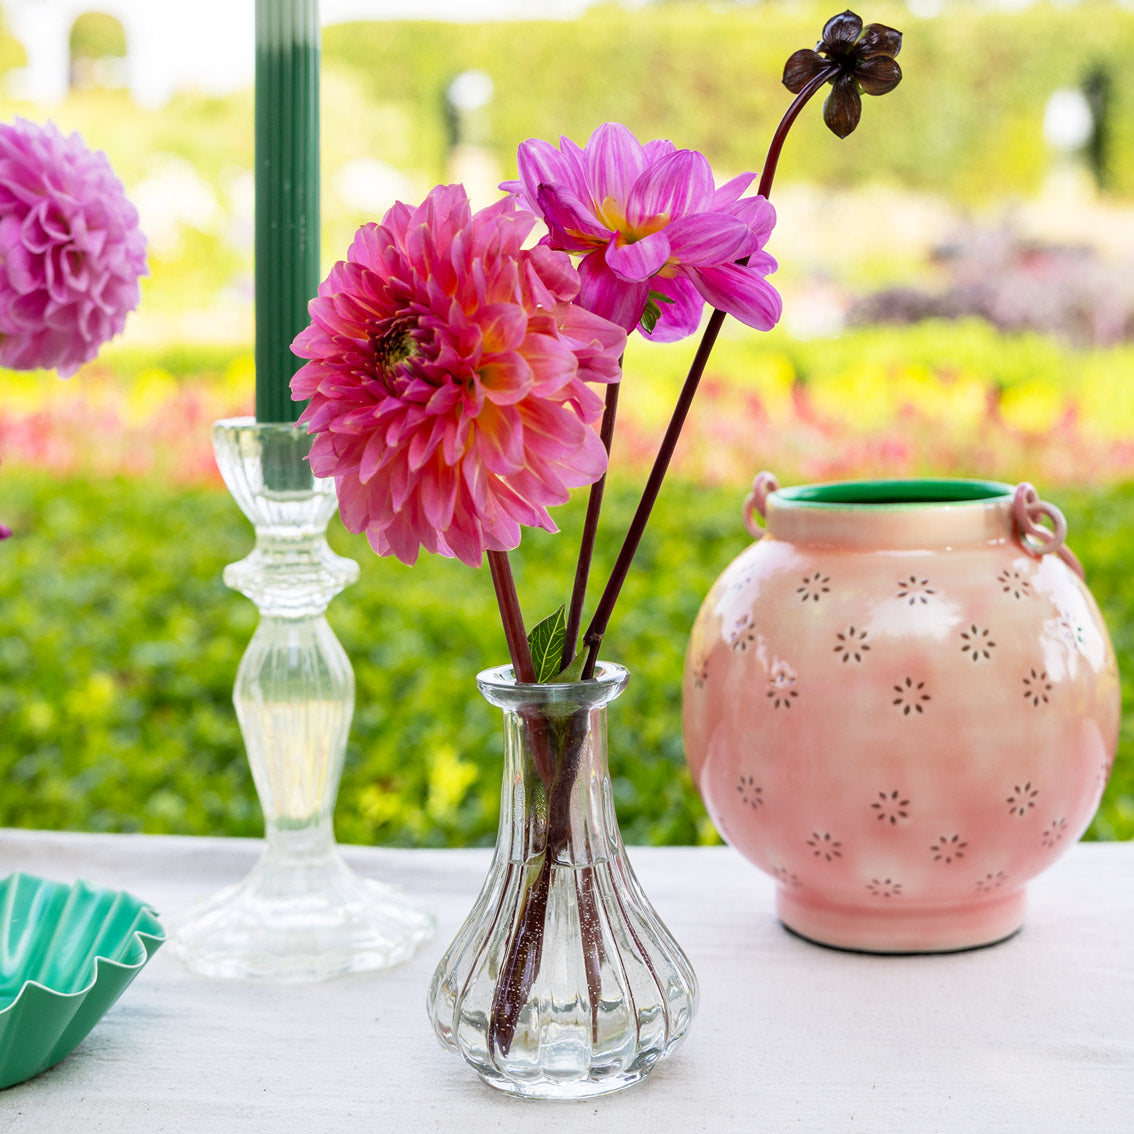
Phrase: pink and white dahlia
(71, 252)
(649, 219)
(448, 379)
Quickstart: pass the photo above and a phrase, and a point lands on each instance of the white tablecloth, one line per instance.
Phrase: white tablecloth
(1033, 1035)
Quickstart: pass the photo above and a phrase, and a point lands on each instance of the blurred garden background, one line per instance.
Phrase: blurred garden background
(958, 283)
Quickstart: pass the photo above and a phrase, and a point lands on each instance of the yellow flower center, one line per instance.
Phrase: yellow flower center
(611, 215)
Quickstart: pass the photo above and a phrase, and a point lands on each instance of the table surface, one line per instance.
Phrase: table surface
(1035, 1034)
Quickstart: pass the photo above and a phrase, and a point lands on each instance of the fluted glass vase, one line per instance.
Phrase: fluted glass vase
(563, 983)
(301, 913)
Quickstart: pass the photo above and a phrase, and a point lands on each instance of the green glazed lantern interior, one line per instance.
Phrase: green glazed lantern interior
(892, 493)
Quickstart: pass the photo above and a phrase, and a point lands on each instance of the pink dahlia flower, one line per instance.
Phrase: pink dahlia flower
(71, 252)
(650, 219)
(448, 375)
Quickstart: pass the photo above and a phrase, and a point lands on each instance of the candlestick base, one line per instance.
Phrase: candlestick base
(301, 914)
(301, 918)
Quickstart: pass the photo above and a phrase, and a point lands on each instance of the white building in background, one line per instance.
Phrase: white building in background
(209, 44)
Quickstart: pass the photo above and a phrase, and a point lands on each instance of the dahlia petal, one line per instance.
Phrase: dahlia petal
(573, 227)
(551, 363)
(439, 496)
(502, 326)
(740, 291)
(613, 162)
(372, 457)
(679, 183)
(498, 439)
(507, 378)
(602, 292)
(640, 259)
(551, 274)
(731, 191)
(707, 238)
(602, 339)
(681, 316)
(540, 163)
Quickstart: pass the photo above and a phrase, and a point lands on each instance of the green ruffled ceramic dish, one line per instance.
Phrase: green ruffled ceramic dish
(66, 954)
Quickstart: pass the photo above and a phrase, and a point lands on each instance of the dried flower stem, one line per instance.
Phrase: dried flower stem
(510, 616)
(592, 639)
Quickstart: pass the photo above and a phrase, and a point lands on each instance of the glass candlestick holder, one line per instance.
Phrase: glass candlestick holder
(301, 914)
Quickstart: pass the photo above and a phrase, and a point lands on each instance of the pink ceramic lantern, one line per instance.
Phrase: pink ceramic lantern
(902, 702)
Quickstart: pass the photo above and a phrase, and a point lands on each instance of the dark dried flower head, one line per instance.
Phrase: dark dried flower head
(856, 59)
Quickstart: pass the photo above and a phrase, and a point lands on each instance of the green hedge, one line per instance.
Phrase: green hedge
(966, 121)
(119, 646)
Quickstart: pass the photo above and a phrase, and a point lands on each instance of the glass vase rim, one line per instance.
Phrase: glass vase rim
(248, 421)
(501, 680)
(893, 494)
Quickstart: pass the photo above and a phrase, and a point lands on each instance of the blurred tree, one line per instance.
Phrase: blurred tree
(98, 51)
(12, 53)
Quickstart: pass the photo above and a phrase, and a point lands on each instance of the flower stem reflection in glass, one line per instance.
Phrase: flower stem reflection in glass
(301, 914)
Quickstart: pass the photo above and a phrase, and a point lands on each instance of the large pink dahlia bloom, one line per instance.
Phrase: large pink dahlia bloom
(71, 252)
(649, 218)
(448, 373)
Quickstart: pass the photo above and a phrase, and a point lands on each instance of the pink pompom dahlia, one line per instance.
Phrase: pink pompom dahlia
(71, 252)
(649, 219)
(448, 379)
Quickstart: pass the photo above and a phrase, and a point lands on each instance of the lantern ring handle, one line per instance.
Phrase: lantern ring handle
(1037, 539)
(754, 503)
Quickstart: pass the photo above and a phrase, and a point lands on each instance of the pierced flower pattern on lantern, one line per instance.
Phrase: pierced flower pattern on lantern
(750, 794)
(1036, 687)
(1022, 799)
(741, 582)
(977, 644)
(1012, 582)
(948, 848)
(851, 644)
(884, 887)
(915, 590)
(991, 882)
(1105, 768)
(781, 687)
(701, 674)
(785, 876)
(1071, 632)
(824, 846)
(814, 587)
(1055, 832)
(911, 697)
(890, 807)
(743, 634)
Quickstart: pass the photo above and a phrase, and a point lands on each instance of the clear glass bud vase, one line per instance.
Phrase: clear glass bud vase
(301, 913)
(563, 983)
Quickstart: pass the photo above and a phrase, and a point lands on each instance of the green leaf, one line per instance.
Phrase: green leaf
(546, 640)
(574, 670)
(652, 313)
